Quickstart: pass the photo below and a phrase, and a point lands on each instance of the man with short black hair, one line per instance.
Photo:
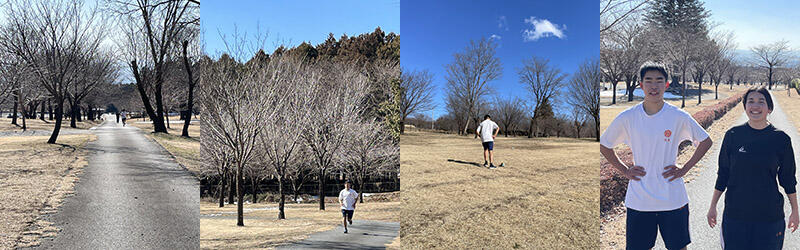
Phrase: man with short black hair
(347, 199)
(488, 130)
(656, 199)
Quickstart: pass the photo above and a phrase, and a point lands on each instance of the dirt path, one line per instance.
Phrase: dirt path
(132, 195)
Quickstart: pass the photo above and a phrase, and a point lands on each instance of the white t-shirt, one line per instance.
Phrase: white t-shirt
(348, 198)
(654, 141)
(486, 129)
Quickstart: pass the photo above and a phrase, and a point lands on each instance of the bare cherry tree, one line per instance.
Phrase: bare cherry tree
(772, 55)
(613, 12)
(371, 152)
(543, 82)
(154, 31)
(417, 93)
(583, 92)
(50, 37)
(468, 77)
(509, 112)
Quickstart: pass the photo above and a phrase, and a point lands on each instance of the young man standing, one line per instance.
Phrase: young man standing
(347, 199)
(488, 130)
(656, 198)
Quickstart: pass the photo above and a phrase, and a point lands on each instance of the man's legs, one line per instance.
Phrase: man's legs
(641, 229)
(491, 157)
(674, 227)
(485, 156)
(350, 216)
(344, 220)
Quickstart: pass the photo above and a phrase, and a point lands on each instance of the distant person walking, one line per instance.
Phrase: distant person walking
(488, 130)
(755, 157)
(124, 117)
(117, 113)
(347, 200)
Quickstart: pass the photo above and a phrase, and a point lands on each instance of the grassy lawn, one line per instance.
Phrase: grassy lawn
(185, 150)
(262, 229)
(36, 177)
(547, 197)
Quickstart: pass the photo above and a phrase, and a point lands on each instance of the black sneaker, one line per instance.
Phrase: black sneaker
(485, 165)
(345, 231)
(351, 222)
(491, 166)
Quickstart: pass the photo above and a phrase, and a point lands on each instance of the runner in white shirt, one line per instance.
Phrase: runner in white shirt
(488, 130)
(347, 199)
(656, 198)
(124, 117)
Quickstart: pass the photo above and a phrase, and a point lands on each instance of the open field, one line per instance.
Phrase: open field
(262, 229)
(185, 150)
(36, 124)
(36, 177)
(546, 197)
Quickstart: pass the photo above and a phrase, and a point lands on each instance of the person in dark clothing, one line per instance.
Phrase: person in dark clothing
(752, 156)
(117, 116)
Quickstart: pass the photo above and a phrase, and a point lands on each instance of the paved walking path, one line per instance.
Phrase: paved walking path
(132, 195)
(701, 189)
(361, 235)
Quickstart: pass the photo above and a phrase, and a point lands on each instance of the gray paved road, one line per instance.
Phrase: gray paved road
(130, 196)
(361, 235)
(702, 188)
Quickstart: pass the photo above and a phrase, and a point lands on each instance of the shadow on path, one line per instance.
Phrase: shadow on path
(466, 162)
(362, 235)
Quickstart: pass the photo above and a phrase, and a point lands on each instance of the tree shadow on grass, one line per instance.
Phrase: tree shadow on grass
(466, 162)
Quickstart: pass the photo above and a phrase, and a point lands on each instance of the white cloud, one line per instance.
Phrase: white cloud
(495, 37)
(502, 23)
(542, 28)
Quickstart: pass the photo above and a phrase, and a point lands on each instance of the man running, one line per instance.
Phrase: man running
(488, 130)
(347, 199)
(124, 117)
(656, 198)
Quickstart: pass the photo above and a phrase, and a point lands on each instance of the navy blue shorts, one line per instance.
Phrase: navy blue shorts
(489, 145)
(348, 214)
(642, 227)
(752, 235)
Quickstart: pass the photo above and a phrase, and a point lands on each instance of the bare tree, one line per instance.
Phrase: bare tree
(154, 32)
(235, 104)
(468, 77)
(417, 94)
(338, 97)
(613, 12)
(509, 112)
(584, 91)
(542, 82)
(372, 152)
(771, 56)
(50, 37)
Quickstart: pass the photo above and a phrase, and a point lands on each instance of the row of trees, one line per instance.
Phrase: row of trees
(469, 95)
(65, 55)
(301, 113)
(680, 35)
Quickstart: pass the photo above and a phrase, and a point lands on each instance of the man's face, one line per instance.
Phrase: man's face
(654, 84)
(757, 108)
(347, 186)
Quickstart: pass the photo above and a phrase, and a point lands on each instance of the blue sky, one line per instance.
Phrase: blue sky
(566, 32)
(757, 22)
(293, 22)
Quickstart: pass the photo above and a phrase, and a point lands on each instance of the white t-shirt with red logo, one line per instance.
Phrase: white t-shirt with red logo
(654, 141)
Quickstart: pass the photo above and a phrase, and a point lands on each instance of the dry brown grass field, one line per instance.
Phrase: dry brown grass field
(36, 124)
(36, 177)
(185, 150)
(546, 197)
(263, 230)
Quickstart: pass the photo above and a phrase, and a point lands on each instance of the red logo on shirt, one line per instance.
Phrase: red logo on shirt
(667, 134)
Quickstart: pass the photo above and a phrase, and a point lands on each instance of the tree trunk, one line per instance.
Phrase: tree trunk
(190, 102)
(614, 92)
(231, 188)
(73, 116)
(41, 111)
(49, 109)
(155, 115)
(402, 126)
(221, 193)
(59, 117)
(683, 93)
(321, 189)
(361, 191)
(282, 202)
(716, 92)
(167, 116)
(14, 114)
(240, 193)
